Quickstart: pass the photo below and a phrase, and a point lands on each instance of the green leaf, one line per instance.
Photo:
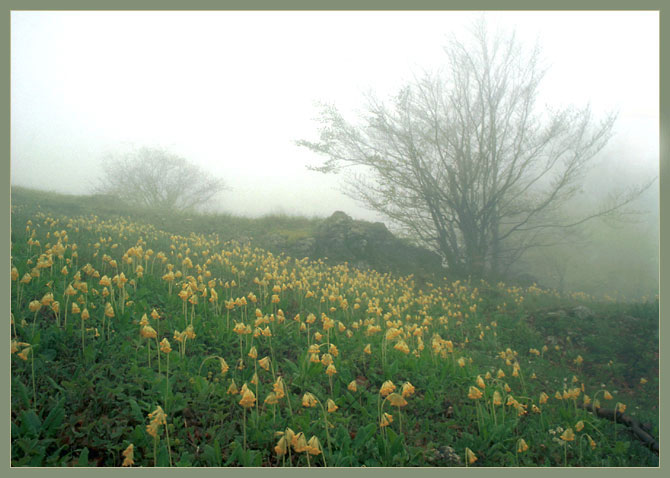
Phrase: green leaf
(54, 420)
(83, 458)
(30, 423)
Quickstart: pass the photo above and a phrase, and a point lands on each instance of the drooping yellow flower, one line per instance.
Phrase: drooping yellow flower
(367, 349)
(313, 446)
(543, 398)
(568, 435)
(264, 363)
(248, 399)
(607, 395)
(278, 387)
(35, 305)
(578, 360)
(75, 308)
(470, 456)
(643, 381)
(128, 454)
(480, 382)
(396, 400)
(407, 389)
(331, 406)
(620, 407)
(521, 446)
(474, 393)
(402, 347)
(352, 386)
(282, 446)
(109, 310)
(165, 346)
(224, 366)
(386, 420)
(500, 374)
(271, 399)
(331, 370)
(148, 332)
(144, 321)
(253, 353)
(386, 388)
(497, 398)
(308, 400)
(579, 426)
(558, 395)
(232, 389)
(299, 443)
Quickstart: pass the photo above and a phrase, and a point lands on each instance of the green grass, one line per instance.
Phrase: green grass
(83, 400)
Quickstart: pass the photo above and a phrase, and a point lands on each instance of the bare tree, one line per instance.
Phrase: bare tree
(155, 178)
(465, 161)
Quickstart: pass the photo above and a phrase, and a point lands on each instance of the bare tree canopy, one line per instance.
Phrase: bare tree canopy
(465, 161)
(155, 178)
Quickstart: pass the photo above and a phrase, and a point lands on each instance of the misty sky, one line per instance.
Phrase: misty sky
(233, 91)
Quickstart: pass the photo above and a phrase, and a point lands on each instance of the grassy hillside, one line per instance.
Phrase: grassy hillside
(155, 339)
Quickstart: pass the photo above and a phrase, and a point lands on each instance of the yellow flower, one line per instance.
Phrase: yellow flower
(407, 390)
(620, 407)
(282, 446)
(313, 446)
(521, 446)
(129, 456)
(480, 382)
(144, 320)
(579, 426)
(578, 360)
(535, 409)
(271, 399)
(299, 443)
(386, 388)
(148, 332)
(587, 399)
(109, 311)
(154, 315)
(326, 359)
(331, 406)
(308, 400)
(396, 400)
(643, 381)
(75, 308)
(352, 386)
(474, 393)
(254, 379)
(165, 346)
(607, 395)
(331, 370)
(223, 364)
(558, 396)
(386, 420)
(232, 389)
(568, 435)
(264, 363)
(35, 305)
(253, 353)
(278, 387)
(497, 399)
(367, 349)
(24, 353)
(470, 456)
(500, 374)
(402, 347)
(248, 399)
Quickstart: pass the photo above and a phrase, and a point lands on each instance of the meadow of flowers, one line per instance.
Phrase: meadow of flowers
(131, 346)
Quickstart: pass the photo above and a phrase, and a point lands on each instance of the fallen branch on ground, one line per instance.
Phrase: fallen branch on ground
(612, 414)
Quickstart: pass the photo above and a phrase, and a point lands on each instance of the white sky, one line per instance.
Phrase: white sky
(233, 91)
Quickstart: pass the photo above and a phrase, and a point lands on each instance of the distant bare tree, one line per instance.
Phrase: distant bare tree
(466, 162)
(155, 178)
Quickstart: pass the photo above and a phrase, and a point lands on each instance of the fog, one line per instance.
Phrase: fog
(233, 91)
